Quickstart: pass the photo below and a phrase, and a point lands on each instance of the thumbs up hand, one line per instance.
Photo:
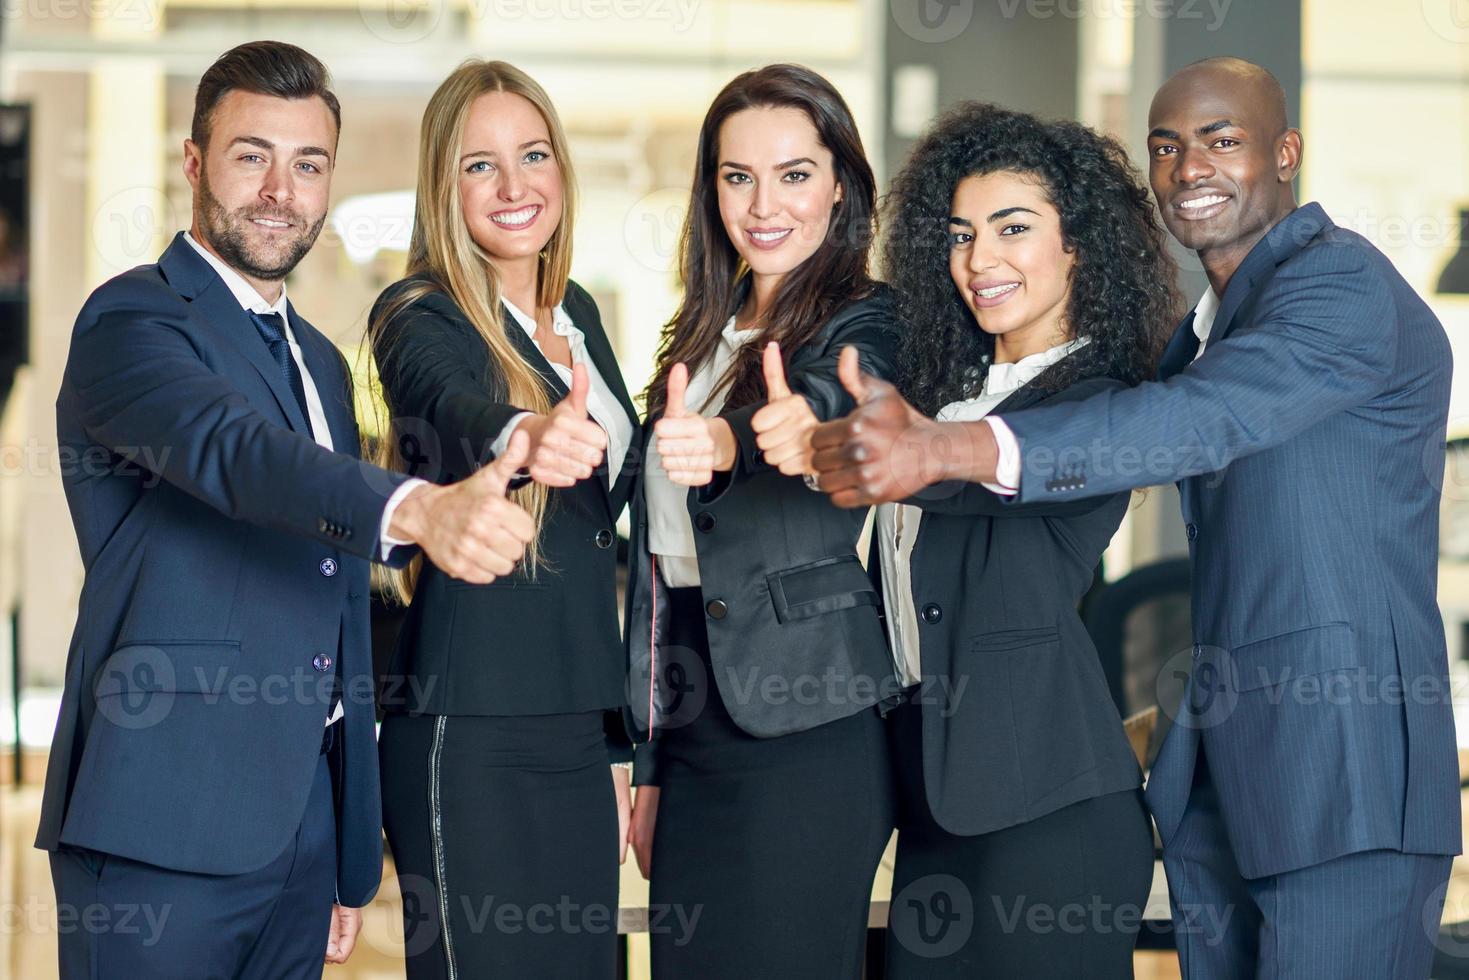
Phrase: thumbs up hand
(565, 445)
(885, 450)
(683, 440)
(784, 425)
(470, 530)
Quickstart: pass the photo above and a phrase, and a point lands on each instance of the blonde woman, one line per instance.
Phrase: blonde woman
(505, 821)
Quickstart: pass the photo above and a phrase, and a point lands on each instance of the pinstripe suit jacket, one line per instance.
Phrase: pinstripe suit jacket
(1308, 443)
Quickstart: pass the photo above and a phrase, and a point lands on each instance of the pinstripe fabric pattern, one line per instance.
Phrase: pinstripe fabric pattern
(1373, 914)
(1308, 442)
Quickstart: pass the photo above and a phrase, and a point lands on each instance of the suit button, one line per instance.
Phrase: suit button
(716, 609)
(321, 662)
(1192, 530)
(603, 538)
(328, 567)
(932, 614)
(704, 521)
(1198, 651)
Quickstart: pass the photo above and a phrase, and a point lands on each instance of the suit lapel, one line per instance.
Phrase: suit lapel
(533, 355)
(1030, 394)
(1287, 238)
(328, 374)
(1182, 347)
(217, 308)
(599, 349)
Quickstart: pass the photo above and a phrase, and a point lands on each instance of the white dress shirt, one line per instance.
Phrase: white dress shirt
(897, 524)
(1007, 469)
(602, 404)
(1204, 314)
(670, 532)
(249, 299)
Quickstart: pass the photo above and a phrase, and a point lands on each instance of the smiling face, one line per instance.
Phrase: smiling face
(1009, 261)
(509, 180)
(777, 188)
(262, 183)
(1220, 158)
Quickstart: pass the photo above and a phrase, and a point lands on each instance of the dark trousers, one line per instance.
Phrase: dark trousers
(120, 919)
(1373, 914)
(764, 848)
(1060, 896)
(504, 835)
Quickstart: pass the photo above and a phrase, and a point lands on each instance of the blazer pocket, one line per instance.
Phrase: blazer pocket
(1015, 639)
(173, 666)
(820, 587)
(1299, 653)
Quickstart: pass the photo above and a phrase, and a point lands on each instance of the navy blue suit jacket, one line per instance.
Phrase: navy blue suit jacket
(226, 558)
(1309, 445)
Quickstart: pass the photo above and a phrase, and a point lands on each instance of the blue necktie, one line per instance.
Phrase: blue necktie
(272, 327)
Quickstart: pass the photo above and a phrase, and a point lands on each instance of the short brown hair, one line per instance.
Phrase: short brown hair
(264, 68)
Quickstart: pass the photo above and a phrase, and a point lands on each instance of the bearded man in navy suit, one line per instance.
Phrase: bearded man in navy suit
(214, 768)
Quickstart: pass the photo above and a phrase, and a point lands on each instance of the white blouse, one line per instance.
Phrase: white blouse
(670, 531)
(897, 524)
(602, 404)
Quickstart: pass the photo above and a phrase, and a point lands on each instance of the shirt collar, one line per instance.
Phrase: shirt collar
(1204, 313)
(560, 320)
(1005, 378)
(244, 293)
(734, 336)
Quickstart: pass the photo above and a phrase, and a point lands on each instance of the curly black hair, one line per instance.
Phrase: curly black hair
(1123, 295)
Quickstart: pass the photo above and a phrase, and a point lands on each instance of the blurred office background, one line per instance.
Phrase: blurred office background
(96, 98)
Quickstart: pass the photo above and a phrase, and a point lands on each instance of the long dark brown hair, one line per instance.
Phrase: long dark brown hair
(711, 269)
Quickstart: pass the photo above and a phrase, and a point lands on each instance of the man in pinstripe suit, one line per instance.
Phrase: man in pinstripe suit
(1308, 793)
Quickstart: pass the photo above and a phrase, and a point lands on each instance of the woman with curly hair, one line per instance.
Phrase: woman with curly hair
(1029, 268)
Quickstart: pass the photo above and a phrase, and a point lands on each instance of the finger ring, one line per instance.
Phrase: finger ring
(813, 482)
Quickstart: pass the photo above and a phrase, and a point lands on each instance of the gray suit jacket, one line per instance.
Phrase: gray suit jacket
(1308, 442)
(792, 619)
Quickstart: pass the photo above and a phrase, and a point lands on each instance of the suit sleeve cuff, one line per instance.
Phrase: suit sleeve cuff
(386, 541)
(502, 441)
(1007, 470)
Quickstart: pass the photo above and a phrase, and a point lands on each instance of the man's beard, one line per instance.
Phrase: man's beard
(229, 233)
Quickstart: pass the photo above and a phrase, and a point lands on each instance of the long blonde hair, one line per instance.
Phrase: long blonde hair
(444, 257)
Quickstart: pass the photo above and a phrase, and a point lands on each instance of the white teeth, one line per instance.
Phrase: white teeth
(769, 236)
(994, 291)
(515, 218)
(1203, 202)
(269, 223)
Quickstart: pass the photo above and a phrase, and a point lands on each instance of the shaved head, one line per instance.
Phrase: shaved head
(1263, 89)
(1221, 159)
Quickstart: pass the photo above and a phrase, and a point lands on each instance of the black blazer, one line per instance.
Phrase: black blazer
(518, 646)
(995, 586)
(787, 601)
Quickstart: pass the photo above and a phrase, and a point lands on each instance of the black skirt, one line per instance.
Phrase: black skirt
(504, 834)
(764, 849)
(1055, 898)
